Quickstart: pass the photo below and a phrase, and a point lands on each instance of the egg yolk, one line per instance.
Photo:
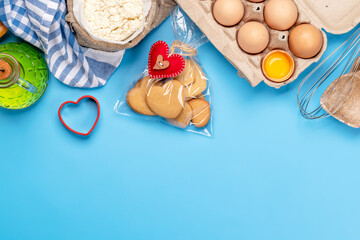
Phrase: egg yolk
(278, 66)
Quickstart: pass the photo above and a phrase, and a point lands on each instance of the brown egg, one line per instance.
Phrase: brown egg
(280, 14)
(228, 12)
(305, 41)
(253, 37)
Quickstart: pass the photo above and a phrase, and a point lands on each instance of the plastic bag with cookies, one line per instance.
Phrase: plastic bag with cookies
(173, 88)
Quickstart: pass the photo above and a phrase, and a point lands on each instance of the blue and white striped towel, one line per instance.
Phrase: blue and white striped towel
(42, 23)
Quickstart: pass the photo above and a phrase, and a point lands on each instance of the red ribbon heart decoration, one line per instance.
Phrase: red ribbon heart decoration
(163, 65)
(97, 118)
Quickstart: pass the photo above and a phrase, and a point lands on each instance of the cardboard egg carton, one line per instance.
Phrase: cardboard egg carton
(332, 15)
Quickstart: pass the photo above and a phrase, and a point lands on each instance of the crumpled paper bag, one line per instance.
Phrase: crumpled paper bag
(159, 11)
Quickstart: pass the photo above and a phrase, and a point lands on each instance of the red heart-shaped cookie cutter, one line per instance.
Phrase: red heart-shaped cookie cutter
(161, 65)
(72, 102)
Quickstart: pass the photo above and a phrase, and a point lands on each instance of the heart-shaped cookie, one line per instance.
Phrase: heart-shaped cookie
(161, 65)
(168, 100)
(198, 85)
(200, 112)
(148, 83)
(136, 101)
(183, 120)
(187, 76)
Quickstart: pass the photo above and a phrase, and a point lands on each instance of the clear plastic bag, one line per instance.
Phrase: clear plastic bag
(184, 100)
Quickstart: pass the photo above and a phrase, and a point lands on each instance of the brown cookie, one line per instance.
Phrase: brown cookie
(143, 82)
(183, 120)
(201, 112)
(199, 85)
(147, 82)
(201, 96)
(153, 83)
(138, 83)
(188, 75)
(167, 100)
(136, 101)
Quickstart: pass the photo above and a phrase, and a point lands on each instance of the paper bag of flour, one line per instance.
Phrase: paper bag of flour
(85, 19)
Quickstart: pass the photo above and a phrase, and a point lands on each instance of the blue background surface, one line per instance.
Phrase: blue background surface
(266, 174)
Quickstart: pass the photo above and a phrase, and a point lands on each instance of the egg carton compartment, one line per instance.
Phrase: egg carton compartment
(278, 40)
(334, 16)
(225, 38)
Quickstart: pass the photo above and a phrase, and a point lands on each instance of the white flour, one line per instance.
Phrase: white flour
(114, 20)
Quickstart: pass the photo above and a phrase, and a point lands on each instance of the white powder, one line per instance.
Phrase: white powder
(114, 20)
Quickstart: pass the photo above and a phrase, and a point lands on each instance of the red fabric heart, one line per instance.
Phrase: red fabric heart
(174, 64)
(97, 118)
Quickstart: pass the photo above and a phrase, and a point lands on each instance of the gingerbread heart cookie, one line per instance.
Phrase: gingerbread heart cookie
(188, 76)
(200, 111)
(167, 100)
(183, 120)
(201, 96)
(136, 101)
(173, 92)
(148, 82)
(198, 85)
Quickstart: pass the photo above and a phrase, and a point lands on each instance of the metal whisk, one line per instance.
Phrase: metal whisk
(324, 74)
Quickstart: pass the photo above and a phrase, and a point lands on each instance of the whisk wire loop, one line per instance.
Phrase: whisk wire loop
(321, 75)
